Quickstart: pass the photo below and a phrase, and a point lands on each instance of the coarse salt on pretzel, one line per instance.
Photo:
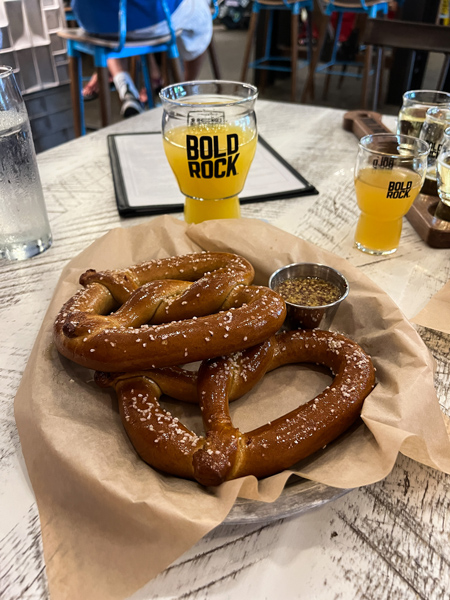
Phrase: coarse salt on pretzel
(167, 312)
(226, 453)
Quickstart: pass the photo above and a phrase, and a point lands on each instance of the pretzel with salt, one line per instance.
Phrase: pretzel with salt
(167, 312)
(225, 453)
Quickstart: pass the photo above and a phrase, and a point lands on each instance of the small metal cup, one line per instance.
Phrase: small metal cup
(310, 317)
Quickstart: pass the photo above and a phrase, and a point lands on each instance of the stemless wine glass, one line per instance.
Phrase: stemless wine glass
(443, 178)
(210, 135)
(436, 122)
(415, 105)
(390, 170)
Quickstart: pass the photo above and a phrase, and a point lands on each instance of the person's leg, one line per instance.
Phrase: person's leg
(90, 90)
(192, 67)
(125, 87)
(117, 65)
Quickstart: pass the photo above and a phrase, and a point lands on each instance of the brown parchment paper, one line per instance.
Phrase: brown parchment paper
(109, 522)
(436, 314)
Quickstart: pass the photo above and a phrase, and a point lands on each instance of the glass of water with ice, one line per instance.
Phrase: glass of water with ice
(24, 226)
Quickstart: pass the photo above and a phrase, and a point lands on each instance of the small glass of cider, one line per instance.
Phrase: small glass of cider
(389, 173)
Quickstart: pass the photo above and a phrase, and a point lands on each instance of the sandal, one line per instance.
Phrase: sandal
(91, 89)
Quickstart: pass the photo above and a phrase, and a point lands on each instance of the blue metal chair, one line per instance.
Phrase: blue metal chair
(369, 8)
(269, 62)
(101, 49)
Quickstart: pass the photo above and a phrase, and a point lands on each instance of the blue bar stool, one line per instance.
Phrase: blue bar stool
(369, 8)
(101, 49)
(268, 62)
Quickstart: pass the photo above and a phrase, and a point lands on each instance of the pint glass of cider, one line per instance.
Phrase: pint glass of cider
(209, 136)
(390, 170)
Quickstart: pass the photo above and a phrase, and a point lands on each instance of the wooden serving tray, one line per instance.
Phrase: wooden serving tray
(435, 232)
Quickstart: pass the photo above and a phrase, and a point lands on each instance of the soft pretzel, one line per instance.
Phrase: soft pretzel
(167, 312)
(225, 452)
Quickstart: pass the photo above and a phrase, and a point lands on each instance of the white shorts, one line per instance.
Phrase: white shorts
(194, 18)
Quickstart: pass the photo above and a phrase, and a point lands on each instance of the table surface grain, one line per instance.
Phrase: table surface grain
(390, 540)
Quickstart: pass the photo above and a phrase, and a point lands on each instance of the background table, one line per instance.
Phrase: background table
(385, 541)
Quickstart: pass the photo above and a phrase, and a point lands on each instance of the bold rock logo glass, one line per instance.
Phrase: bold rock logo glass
(389, 173)
(210, 136)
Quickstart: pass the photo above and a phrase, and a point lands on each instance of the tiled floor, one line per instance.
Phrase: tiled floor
(230, 48)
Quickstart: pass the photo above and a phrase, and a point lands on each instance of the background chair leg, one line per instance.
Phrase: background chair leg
(267, 36)
(444, 72)
(133, 68)
(214, 61)
(175, 68)
(104, 95)
(342, 76)
(326, 85)
(75, 92)
(322, 24)
(378, 78)
(366, 79)
(308, 87)
(380, 90)
(165, 74)
(248, 45)
(146, 76)
(294, 55)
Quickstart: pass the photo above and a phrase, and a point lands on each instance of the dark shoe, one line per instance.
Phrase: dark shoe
(131, 106)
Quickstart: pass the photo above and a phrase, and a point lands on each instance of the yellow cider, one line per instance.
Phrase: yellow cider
(210, 163)
(197, 211)
(384, 196)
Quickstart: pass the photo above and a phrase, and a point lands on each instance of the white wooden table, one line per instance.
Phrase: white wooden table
(390, 540)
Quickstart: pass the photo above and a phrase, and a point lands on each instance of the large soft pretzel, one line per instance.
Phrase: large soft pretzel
(167, 312)
(225, 453)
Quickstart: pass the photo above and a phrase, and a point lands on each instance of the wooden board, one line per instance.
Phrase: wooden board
(435, 232)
